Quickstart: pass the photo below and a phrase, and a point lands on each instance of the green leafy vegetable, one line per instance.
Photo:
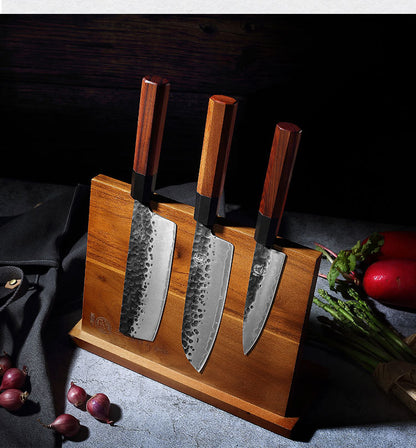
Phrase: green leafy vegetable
(357, 330)
(346, 261)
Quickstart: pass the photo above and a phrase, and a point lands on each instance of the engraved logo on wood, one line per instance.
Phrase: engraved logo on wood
(100, 323)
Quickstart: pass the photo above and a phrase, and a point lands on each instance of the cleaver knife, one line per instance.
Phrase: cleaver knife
(211, 256)
(152, 237)
(268, 263)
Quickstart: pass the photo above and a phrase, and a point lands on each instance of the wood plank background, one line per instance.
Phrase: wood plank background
(70, 86)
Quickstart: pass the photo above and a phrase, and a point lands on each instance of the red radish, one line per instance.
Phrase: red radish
(397, 244)
(392, 282)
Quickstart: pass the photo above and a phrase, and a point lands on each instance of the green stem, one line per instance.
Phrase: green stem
(374, 349)
(363, 343)
(393, 353)
(354, 323)
(340, 311)
(364, 361)
(328, 253)
(391, 338)
(334, 313)
(407, 352)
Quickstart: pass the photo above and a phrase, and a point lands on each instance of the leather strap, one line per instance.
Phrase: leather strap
(13, 284)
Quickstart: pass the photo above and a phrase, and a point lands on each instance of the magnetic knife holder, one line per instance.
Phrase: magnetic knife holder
(260, 387)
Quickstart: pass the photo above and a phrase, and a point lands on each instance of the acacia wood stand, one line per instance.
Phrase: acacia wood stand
(259, 387)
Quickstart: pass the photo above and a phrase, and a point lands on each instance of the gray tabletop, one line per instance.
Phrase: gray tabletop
(349, 410)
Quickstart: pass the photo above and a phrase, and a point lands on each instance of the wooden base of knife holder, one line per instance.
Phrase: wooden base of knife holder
(258, 387)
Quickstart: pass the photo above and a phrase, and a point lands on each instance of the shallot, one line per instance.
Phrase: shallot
(76, 395)
(13, 399)
(65, 424)
(14, 378)
(99, 407)
(5, 363)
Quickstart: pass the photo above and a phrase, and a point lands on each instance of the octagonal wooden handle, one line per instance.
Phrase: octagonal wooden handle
(219, 128)
(154, 97)
(276, 185)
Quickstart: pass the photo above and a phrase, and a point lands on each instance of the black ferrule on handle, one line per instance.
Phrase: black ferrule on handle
(142, 187)
(205, 210)
(265, 230)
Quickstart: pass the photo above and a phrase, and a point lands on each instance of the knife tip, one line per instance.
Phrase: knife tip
(248, 343)
(247, 350)
(198, 365)
(198, 368)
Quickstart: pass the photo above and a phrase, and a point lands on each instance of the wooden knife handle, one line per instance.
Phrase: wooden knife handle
(219, 128)
(154, 97)
(276, 185)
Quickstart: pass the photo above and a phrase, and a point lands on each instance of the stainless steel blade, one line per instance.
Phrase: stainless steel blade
(205, 296)
(149, 264)
(266, 271)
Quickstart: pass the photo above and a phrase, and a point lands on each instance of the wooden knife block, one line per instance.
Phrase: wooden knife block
(259, 387)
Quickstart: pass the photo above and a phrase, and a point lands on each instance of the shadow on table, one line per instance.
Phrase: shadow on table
(82, 435)
(67, 311)
(345, 395)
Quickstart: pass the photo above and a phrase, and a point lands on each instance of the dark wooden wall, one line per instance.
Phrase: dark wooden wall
(70, 86)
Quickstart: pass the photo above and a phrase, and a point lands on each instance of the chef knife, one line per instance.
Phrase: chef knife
(152, 237)
(268, 263)
(211, 256)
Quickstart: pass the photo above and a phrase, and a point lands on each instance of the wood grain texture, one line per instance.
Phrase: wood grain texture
(229, 50)
(154, 96)
(219, 128)
(279, 170)
(72, 82)
(256, 387)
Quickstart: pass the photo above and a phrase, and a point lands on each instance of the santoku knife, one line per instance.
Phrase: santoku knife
(268, 263)
(211, 256)
(152, 237)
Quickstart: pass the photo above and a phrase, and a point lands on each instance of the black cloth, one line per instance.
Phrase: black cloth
(44, 246)
(40, 247)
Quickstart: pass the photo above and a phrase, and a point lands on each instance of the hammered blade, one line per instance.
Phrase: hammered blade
(265, 275)
(149, 264)
(205, 296)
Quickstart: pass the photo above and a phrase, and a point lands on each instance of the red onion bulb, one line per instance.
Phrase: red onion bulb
(5, 363)
(13, 399)
(65, 424)
(76, 395)
(14, 378)
(99, 407)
